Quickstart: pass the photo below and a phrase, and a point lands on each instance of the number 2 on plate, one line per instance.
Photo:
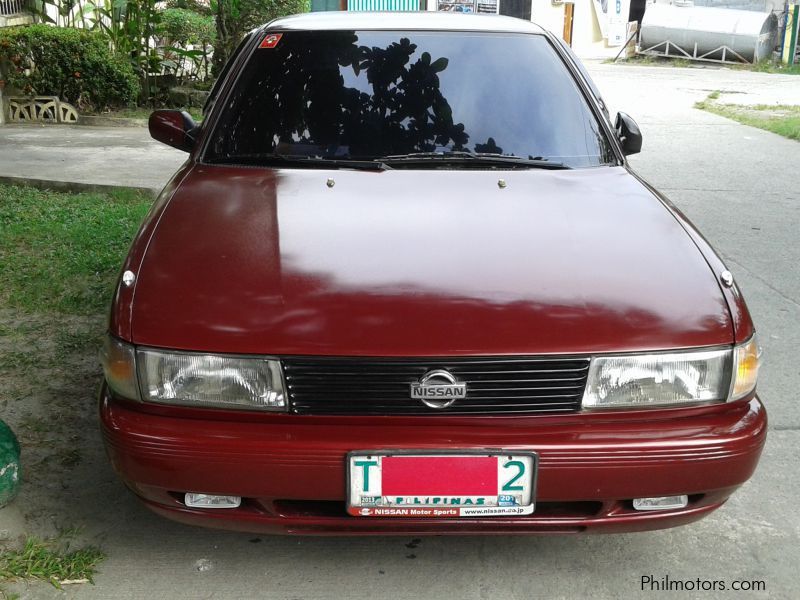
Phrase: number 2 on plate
(509, 485)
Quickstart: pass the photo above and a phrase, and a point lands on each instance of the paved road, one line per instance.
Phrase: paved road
(737, 184)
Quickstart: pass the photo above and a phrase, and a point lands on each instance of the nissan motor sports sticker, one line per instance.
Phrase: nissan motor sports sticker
(439, 512)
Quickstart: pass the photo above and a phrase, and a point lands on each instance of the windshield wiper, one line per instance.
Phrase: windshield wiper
(461, 156)
(386, 162)
(267, 159)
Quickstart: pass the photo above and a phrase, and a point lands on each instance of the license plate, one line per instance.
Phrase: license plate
(424, 484)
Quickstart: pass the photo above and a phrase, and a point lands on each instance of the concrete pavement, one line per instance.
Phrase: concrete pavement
(738, 184)
(87, 156)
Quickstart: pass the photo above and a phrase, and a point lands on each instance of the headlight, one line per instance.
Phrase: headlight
(645, 380)
(193, 379)
(210, 380)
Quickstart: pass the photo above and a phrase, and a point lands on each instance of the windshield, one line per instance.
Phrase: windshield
(367, 95)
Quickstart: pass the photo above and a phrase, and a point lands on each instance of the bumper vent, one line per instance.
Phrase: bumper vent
(380, 386)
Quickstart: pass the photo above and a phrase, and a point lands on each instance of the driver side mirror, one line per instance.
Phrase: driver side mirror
(628, 133)
(174, 128)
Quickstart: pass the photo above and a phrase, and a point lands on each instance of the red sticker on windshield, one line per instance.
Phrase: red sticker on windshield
(271, 40)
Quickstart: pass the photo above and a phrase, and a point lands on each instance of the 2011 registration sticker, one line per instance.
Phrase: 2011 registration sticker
(439, 485)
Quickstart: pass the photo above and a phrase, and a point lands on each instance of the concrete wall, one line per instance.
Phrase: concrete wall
(549, 15)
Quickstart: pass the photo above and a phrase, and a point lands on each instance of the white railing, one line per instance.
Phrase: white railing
(13, 7)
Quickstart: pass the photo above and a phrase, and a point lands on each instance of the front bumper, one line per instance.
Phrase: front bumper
(290, 470)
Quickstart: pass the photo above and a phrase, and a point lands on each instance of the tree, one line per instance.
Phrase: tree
(181, 27)
(236, 17)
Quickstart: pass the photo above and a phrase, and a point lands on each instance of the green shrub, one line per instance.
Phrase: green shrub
(74, 64)
(182, 26)
(193, 5)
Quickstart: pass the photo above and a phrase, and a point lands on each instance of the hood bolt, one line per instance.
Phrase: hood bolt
(128, 278)
(330, 183)
(727, 278)
(501, 183)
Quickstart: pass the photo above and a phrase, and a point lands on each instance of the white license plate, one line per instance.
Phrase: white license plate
(419, 484)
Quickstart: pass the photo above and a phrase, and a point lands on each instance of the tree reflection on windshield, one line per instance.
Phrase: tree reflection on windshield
(311, 109)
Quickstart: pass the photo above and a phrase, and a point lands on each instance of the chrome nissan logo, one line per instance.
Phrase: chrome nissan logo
(438, 389)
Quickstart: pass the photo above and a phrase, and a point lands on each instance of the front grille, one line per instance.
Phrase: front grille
(380, 386)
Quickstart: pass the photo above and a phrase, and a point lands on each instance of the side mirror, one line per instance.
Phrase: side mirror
(630, 137)
(174, 128)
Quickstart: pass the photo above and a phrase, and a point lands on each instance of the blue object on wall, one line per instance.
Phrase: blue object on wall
(324, 5)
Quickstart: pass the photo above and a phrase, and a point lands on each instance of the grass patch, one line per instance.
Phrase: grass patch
(52, 561)
(781, 119)
(62, 252)
(23, 361)
(68, 343)
(655, 61)
(765, 66)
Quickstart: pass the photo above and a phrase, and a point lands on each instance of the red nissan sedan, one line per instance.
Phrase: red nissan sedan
(406, 282)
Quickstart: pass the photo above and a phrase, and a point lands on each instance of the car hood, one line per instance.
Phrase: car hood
(415, 263)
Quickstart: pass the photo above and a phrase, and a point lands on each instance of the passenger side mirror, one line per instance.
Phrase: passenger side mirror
(174, 128)
(630, 137)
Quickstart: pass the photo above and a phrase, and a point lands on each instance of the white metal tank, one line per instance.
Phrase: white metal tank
(699, 30)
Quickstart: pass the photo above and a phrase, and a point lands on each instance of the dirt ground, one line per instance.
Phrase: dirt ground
(49, 373)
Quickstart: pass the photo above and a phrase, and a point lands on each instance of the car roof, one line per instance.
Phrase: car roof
(403, 21)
